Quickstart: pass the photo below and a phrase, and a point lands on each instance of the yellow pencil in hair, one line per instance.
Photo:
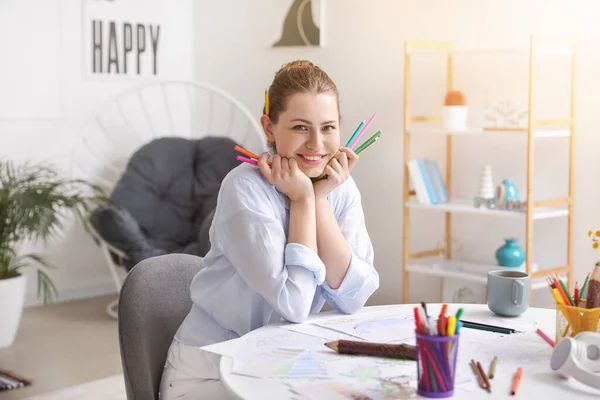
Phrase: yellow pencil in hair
(267, 102)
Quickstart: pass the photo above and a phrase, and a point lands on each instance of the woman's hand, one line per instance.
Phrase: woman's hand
(287, 178)
(337, 171)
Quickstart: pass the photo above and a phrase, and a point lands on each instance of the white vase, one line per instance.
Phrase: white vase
(486, 184)
(455, 118)
(12, 298)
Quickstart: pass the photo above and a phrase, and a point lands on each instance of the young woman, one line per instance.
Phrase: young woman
(285, 238)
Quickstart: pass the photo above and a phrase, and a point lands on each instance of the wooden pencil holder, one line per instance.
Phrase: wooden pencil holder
(572, 320)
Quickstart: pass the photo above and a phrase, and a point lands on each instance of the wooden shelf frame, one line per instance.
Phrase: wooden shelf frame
(537, 45)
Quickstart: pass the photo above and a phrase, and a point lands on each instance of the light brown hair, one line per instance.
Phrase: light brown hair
(298, 76)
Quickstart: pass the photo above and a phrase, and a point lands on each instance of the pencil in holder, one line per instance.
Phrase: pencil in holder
(436, 364)
(572, 320)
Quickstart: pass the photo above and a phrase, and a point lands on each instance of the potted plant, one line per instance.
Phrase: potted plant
(455, 111)
(34, 202)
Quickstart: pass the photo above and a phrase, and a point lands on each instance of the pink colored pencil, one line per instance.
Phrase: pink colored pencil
(364, 129)
(546, 337)
(248, 160)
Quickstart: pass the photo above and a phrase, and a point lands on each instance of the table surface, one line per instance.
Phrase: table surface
(367, 373)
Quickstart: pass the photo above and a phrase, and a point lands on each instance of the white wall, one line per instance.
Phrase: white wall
(364, 55)
(42, 79)
(228, 44)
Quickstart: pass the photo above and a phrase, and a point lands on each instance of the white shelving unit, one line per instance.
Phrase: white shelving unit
(438, 262)
(538, 133)
(464, 206)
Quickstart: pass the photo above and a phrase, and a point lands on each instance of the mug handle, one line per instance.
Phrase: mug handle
(517, 292)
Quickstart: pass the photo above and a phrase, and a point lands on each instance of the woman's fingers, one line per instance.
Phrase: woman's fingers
(263, 165)
(351, 155)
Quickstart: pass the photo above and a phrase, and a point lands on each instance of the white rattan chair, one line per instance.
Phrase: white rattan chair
(134, 117)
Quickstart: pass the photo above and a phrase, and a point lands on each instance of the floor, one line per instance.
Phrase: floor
(63, 345)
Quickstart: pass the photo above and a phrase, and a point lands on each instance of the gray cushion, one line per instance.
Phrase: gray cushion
(124, 233)
(154, 301)
(166, 197)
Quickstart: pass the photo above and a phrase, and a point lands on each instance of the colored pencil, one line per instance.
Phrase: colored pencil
(546, 337)
(399, 351)
(560, 289)
(368, 142)
(582, 291)
(451, 330)
(248, 160)
(363, 148)
(249, 154)
(363, 130)
(267, 101)
(493, 367)
(576, 294)
(478, 374)
(566, 291)
(486, 328)
(459, 313)
(443, 310)
(355, 133)
(484, 376)
(511, 330)
(516, 381)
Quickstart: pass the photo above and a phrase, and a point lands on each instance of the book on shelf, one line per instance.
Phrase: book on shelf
(427, 181)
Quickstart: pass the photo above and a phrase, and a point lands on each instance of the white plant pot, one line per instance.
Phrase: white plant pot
(12, 297)
(455, 118)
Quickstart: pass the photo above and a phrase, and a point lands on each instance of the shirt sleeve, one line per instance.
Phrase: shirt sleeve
(361, 279)
(254, 240)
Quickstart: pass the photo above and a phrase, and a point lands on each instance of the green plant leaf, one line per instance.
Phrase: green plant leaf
(34, 204)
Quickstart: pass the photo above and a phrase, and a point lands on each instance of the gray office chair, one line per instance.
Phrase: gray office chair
(154, 300)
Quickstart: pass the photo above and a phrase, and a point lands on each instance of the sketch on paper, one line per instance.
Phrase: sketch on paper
(303, 24)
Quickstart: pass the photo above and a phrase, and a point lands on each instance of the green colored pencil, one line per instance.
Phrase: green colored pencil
(486, 328)
(368, 142)
(582, 291)
(459, 313)
(355, 133)
(566, 291)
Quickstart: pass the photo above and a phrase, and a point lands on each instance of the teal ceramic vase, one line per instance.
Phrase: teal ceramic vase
(510, 254)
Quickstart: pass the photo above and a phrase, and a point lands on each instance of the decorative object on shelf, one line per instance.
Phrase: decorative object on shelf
(427, 181)
(507, 192)
(486, 184)
(510, 254)
(507, 114)
(455, 111)
(506, 198)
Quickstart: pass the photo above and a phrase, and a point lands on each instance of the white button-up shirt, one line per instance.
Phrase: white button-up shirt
(253, 277)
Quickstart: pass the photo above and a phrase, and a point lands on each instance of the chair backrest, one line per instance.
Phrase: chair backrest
(137, 115)
(154, 300)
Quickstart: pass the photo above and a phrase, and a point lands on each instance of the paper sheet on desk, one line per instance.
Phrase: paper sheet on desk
(513, 351)
(381, 327)
(283, 362)
(253, 345)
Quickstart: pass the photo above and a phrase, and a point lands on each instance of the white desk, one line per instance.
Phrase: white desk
(366, 372)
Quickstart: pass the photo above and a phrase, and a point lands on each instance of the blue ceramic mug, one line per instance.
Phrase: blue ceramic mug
(508, 292)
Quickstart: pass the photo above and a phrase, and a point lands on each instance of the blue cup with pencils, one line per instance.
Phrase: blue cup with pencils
(437, 352)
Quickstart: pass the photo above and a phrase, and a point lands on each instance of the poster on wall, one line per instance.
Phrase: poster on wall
(123, 38)
(303, 25)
